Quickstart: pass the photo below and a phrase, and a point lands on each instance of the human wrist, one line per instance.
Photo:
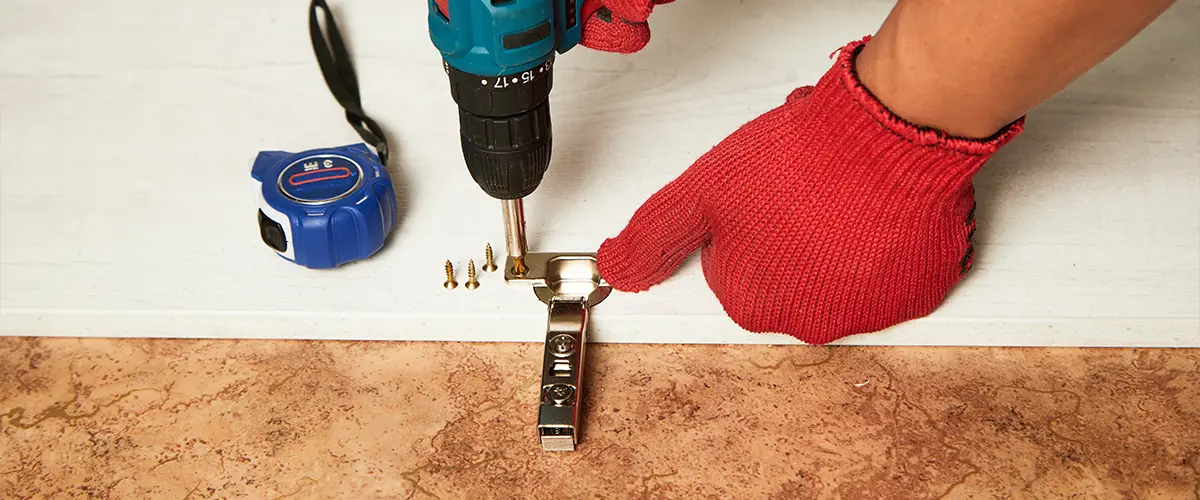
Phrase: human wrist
(912, 85)
(865, 116)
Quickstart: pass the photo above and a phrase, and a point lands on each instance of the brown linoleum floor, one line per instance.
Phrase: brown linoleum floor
(149, 419)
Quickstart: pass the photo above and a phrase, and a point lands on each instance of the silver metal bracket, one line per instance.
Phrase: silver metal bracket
(569, 284)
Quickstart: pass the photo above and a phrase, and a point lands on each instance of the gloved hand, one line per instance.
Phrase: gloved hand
(825, 217)
(617, 25)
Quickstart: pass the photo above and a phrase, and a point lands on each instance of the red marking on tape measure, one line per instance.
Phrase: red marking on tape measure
(341, 173)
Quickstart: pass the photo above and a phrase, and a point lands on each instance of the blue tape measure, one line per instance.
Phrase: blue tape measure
(325, 207)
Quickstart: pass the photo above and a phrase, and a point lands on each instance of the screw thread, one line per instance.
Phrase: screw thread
(449, 271)
(489, 259)
(472, 283)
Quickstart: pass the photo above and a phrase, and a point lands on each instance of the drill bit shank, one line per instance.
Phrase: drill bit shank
(514, 233)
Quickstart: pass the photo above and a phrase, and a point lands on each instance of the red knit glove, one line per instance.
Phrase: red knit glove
(617, 25)
(825, 217)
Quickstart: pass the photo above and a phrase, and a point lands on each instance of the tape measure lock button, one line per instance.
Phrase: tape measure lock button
(325, 207)
(272, 233)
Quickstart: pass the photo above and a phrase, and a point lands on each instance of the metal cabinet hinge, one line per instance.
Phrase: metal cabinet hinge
(569, 285)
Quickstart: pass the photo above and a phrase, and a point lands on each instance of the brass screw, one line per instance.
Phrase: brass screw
(472, 283)
(450, 284)
(489, 261)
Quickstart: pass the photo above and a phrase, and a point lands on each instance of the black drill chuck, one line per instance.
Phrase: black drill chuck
(504, 123)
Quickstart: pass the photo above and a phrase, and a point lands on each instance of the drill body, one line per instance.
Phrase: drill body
(499, 56)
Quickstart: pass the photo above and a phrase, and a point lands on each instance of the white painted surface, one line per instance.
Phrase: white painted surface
(125, 207)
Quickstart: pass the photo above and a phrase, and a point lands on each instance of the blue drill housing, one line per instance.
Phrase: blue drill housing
(500, 37)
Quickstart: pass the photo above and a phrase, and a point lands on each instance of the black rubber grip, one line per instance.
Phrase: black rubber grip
(507, 156)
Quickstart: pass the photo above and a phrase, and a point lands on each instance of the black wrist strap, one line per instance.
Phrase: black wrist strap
(339, 75)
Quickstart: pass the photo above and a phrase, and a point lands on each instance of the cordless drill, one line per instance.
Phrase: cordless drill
(499, 55)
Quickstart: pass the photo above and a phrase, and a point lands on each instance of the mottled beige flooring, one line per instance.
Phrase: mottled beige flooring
(287, 419)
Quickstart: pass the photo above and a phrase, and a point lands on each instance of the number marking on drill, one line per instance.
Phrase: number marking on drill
(503, 82)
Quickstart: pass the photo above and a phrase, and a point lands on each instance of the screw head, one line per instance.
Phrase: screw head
(450, 284)
(562, 344)
(471, 285)
(559, 394)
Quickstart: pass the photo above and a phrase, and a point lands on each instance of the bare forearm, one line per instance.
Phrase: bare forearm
(971, 67)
